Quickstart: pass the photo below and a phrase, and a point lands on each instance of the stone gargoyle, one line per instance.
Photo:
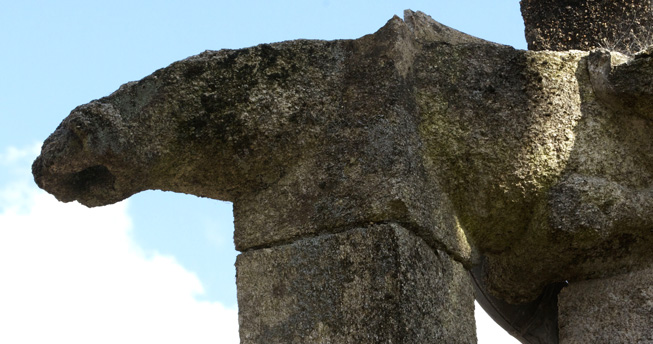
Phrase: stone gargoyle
(530, 168)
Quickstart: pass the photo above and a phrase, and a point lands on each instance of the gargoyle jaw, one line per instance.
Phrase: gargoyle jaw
(92, 186)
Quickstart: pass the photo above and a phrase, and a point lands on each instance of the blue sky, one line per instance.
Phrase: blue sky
(156, 246)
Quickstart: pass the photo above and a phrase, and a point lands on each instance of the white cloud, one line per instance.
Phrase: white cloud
(74, 275)
(488, 331)
(13, 155)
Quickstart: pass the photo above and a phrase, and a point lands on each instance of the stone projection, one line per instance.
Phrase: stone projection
(381, 184)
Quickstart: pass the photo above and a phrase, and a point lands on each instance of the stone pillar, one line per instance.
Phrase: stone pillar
(620, 25)
(377, 284)
(617, 309)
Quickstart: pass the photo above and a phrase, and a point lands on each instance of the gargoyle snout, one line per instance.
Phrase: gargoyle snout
(78, 161)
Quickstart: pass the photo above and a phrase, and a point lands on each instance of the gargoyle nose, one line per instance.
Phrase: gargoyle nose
(77, 161)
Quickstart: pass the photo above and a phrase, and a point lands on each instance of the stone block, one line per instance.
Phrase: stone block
(379, 284)
(618, 309)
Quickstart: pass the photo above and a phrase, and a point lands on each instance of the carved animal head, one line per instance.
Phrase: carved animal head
(213, 125)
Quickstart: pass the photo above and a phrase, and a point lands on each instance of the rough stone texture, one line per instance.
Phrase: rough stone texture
(537, 163)
(596, 219)
(618, 309)
(622, 83)
(365, 165)
(305, 137)
(544, 178)
(621, 25)
(379, 284)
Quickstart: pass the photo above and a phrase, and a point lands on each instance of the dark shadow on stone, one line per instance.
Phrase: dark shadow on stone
(534, 322)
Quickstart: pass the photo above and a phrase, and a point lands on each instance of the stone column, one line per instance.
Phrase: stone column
(374, 284)
(617, 309)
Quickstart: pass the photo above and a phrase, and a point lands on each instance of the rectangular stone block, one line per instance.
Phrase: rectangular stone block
(379, 284)
(618, 309)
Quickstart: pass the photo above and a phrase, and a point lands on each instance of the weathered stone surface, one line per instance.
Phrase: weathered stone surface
(539, 164)
(379, 284)
(367, 165)
(620, 25)
(498, 124)
(618, 309)
(305, 137)
(596, 218)
(531, 157)
(624, 84)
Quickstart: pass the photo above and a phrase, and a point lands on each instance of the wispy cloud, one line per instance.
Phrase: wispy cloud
(16, 185)
(72, 274)
(13, 155)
